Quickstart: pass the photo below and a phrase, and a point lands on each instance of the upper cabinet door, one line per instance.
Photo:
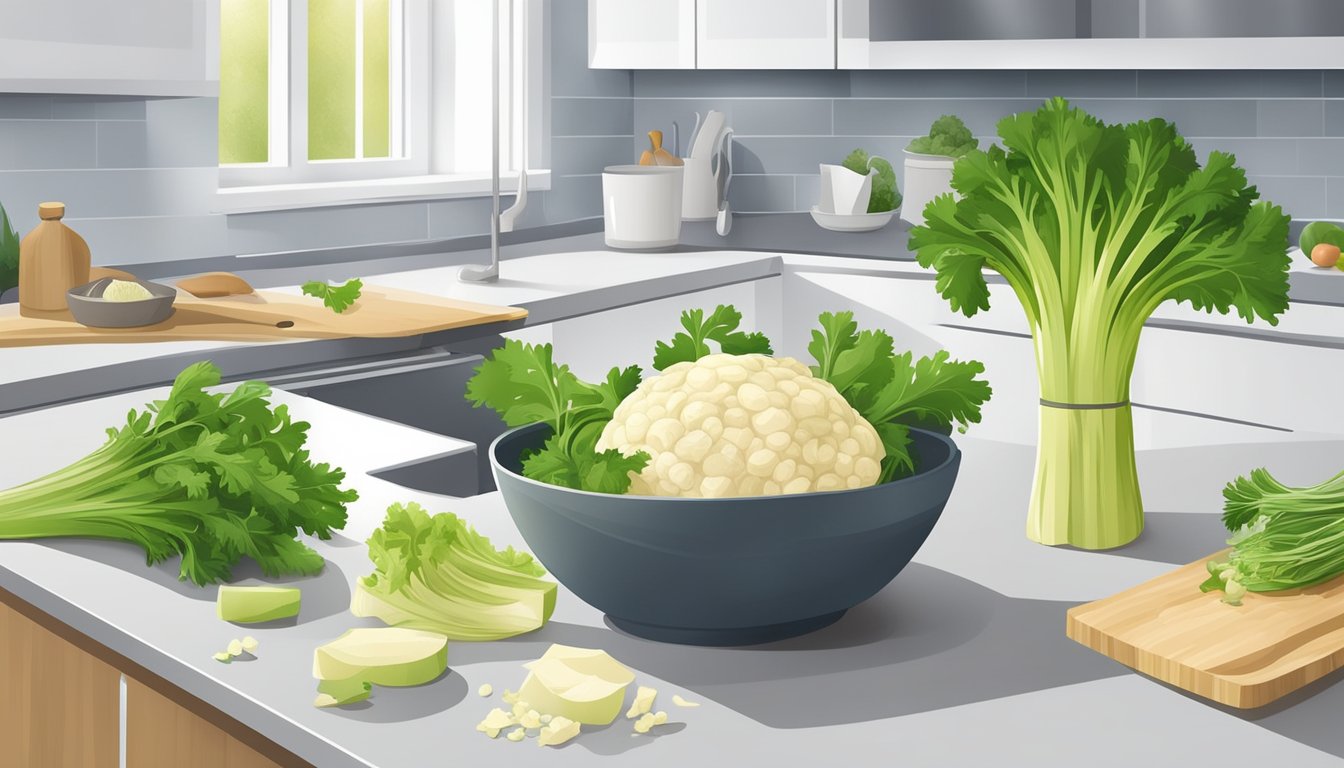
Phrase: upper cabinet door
(623, 34)
(765, 34)
(1090, 34)
(128, 47)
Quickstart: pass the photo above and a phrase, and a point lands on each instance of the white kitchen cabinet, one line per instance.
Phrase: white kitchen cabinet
(128, 47)
(1089, 34)
(641, 35)
(765, 34)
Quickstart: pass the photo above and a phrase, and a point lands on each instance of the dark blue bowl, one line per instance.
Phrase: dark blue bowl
(736, 571)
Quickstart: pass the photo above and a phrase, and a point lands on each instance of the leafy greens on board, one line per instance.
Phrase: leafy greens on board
(336, 297)
(211, 477)
(525, 385)
(1282, 537)
(1093, 226)
(892, 392)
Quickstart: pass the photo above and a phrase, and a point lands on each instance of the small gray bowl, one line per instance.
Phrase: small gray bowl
(87, 304)
(736, 571)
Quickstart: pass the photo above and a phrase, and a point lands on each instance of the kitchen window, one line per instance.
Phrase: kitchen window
(328, 102)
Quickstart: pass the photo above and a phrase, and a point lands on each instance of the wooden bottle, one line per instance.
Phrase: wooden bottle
(52, 260)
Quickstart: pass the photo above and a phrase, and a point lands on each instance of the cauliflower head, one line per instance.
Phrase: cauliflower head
(743, 425)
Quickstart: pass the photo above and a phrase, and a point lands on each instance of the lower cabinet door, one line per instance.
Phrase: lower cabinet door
(60, 706)
(162, 734)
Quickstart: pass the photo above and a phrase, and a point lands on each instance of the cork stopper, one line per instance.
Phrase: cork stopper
(48, 211)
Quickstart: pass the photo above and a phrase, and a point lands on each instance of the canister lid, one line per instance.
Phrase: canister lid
(47, 211)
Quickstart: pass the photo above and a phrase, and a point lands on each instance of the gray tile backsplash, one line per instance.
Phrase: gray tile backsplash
(1290, 117)
(1276, 122)
(1321, 157)
(583, 116)
(1334, 197)
(1239, 84)
(138, 175)
(1079, 83)
(1334, 118)
(935, 84)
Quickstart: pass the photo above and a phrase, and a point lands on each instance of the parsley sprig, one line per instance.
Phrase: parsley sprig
(213, 477)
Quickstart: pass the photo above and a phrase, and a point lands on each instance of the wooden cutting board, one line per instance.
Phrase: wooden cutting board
(1243, 656)
(379, 313)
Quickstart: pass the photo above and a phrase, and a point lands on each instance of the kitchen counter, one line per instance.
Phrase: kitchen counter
(549, 286)
(560, 278)
(962, 660)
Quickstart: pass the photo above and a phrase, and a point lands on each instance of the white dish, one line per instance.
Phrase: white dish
(852, 222)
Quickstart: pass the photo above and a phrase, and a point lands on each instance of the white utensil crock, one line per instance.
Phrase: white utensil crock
(641, 205)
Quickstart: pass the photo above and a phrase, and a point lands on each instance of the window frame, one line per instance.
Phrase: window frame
(433, 165)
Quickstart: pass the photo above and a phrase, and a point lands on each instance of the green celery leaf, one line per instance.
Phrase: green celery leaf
(609, 471)
(524, 385)
(889, 391)
(898, 460)
(720, 326)
(184, 475)
(838, 333)
(934, 389)
(553, 464)
(336, 297)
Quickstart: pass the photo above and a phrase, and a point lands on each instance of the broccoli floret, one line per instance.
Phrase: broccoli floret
(948, 136)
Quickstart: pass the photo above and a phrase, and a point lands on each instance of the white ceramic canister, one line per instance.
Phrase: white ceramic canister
(641, 205)
(926, 177)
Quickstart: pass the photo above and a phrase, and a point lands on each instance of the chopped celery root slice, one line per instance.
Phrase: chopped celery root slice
(680, 702)
(335, 693)
(235, 648)
(644, 723)
(581, 684)
(250, 605)
(250, 644)
(223, 656)
(530, 719)
(495, 722)
(517, 734)
(383, 656)
(558, 731)
(486, 689)
(643, 702)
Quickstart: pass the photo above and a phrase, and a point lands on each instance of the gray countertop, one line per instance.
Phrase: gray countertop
(962, 660)
(553, 279)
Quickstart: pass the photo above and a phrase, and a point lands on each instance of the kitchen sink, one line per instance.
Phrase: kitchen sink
(424, 390)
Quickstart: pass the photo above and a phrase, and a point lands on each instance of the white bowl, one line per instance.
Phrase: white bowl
(852, 222)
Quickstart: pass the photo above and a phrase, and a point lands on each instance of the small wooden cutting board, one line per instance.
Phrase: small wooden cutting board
(379, 313)
(1243, 656)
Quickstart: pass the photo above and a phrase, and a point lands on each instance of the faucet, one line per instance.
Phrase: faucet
(500, 222)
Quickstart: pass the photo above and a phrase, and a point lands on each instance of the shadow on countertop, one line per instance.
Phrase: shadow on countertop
(398, 705)
(325, 594)
(930, 640)
(1309, 715)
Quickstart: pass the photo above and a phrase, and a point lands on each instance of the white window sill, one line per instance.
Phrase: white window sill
(279, 197)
